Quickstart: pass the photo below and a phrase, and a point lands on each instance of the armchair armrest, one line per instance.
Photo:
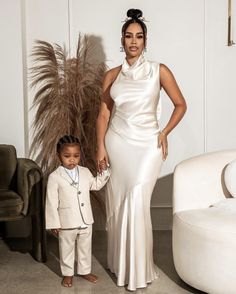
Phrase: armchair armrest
(29, 185)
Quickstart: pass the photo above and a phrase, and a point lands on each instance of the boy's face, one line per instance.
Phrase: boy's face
(69, 155)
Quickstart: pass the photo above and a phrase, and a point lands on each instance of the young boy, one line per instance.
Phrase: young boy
(68, 209)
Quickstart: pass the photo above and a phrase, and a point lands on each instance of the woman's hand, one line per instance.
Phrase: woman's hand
(102, 159)
(55, 231)
(163, 143)
(102, 164)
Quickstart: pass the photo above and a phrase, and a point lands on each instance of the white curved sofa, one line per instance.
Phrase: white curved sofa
(204, 230)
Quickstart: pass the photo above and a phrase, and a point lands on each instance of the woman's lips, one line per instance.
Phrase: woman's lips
(133, 48)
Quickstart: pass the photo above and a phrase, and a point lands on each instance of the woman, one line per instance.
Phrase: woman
(130, 140)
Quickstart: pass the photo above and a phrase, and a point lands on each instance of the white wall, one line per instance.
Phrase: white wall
(12, 114)
(220, 79)
(189, 36)
(47, 21)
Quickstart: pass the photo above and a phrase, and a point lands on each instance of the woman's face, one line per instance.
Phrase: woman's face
(133, 40)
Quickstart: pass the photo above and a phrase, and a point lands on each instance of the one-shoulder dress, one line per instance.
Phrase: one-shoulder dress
(135, 159)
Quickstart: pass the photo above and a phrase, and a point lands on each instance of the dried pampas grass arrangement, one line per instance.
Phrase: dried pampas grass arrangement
(67, 100)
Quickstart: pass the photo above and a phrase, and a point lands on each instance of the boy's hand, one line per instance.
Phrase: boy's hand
(55, 231)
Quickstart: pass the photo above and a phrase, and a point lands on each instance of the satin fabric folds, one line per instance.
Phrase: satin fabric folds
(135, 159)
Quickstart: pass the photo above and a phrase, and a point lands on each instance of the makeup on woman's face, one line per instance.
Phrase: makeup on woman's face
(133, 40)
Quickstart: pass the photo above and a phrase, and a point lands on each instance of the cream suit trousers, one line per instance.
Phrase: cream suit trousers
(79, 240)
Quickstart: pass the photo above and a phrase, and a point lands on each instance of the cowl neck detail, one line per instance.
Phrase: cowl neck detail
(140, 69)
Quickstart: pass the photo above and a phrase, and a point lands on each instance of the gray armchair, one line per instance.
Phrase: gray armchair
(22, 195)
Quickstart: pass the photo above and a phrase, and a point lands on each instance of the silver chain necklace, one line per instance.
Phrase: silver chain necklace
(74, 183)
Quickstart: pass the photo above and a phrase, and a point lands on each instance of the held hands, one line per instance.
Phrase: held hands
(102, 160)
(102, 165)
(55, 231)
(163, 143)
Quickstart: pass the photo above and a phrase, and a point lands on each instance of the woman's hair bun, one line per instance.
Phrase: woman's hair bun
(134, 13)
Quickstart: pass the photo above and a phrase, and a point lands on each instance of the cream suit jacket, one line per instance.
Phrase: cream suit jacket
(65, 207)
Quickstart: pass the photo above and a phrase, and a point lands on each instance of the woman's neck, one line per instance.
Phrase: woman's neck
(132, 60)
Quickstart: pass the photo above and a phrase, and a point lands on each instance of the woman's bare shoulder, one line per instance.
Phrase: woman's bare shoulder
(112, 74)
(164, 68)
(165, 73)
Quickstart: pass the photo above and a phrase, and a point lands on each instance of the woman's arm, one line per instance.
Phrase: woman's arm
(168, 83)
(104, 116)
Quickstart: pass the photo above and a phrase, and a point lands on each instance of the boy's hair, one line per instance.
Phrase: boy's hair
(67, 139)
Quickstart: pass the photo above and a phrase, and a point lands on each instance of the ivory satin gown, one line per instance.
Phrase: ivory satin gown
(131, 142)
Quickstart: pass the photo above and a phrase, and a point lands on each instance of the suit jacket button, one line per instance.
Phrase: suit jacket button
(82, 204)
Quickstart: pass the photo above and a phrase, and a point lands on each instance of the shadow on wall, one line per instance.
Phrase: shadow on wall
(161, 203)
(162, 193)
(97, 54)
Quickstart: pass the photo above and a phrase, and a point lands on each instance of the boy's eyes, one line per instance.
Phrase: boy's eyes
(68, 156)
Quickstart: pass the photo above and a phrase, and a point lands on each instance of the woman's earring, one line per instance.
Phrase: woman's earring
(122, 49)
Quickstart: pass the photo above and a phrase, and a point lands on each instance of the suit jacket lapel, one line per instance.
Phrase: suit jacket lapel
(65, 176)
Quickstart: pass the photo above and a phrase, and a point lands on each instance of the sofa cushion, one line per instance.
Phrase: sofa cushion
(11, 204)
(209, 220)
(230, 178)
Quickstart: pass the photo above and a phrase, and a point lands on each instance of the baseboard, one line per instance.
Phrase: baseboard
(162, 217)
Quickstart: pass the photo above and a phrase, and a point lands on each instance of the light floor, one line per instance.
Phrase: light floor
(21, 274)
